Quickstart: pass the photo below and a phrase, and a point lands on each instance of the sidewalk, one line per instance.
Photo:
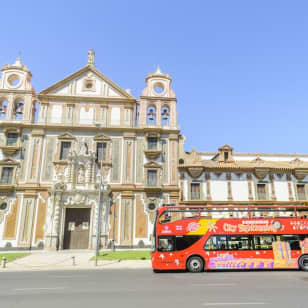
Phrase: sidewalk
(63, 260)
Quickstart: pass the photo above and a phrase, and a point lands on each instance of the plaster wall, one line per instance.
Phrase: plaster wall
(219, 190)
(282, 191)
(56, 114)
(239, 190)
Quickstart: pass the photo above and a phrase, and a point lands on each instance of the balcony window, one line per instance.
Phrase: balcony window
(301, 193)
(261, 191)
(12, 139)
(65, 149)
(101, 151)
(7, 175)
(152, 178)
(152, 143)
(195, 191)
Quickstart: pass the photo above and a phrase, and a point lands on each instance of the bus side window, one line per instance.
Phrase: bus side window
(293, 241)
(216, 242)
(210, 243)
(263, 242)
(165, 244)
(238, 242)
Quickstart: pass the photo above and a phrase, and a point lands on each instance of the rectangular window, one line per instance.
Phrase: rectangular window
(263, 242)
(7, 175)
(65, 149)
(195, 191)
(216, 242)
(152, 143)
(239, 242)
(301, 193)
(101, 151)
(261, 191)
(293, 240)
(177, 243)
(12, 138)
(152, 178)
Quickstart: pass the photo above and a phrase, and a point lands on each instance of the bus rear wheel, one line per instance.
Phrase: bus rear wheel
(195, 264)
(303, 262)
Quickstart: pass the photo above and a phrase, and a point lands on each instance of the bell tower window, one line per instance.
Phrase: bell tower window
(3, 108)
(151, 115)
(19, 109)
(165, 116)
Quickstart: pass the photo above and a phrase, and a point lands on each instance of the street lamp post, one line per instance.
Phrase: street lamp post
(98, 222)
(104, 191)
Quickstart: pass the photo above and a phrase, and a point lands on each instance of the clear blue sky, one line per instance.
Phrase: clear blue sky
(239, 68)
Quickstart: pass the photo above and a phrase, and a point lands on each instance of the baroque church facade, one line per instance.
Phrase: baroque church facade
(57, 145)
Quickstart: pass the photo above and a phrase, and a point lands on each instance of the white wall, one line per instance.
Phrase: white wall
(86, 117)
(115, 116)
(56, 114)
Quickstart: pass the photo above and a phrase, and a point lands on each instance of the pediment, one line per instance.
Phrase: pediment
(67, 136)
(101, 137)
(87, 82)
(152, 164)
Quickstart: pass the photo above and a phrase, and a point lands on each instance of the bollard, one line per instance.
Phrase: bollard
(73, 260)
(3, 262)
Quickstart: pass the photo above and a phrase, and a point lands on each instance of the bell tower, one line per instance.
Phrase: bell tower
(16, 93)
(158, 102)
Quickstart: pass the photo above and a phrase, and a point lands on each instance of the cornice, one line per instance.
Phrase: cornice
(57, 126)
(12, 91)
(94, 99)
(158, 98)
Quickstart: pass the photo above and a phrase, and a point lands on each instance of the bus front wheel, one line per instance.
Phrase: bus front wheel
(195, 264)
(303, 262)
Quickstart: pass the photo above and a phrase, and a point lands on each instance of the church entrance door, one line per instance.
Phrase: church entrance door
(77, 227)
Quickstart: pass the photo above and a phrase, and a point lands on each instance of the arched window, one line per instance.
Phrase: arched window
(19, 109)
(36, 111)
(165, 116)
(3, 108)
(151, 115)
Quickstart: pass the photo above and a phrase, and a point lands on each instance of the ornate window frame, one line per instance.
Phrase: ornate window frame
(152, 165)
(102, 138)
(11, 149)
(9, 163)
(66, 137)
(152, 153)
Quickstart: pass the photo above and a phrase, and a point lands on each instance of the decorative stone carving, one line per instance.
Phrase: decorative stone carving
(195, 172)
(300, 173)
(81, 175)
(261, 173)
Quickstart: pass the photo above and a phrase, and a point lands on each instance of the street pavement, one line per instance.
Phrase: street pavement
(67, 260)
(127, 288)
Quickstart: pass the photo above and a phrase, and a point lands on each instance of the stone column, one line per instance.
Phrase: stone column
(273, 187)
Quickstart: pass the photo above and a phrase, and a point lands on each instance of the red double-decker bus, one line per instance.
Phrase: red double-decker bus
(207, 238)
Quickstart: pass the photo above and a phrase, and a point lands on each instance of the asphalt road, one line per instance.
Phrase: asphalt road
(142, 288)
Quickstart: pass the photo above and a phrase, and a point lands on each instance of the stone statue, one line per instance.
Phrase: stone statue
(81, 175)
(91, 56)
